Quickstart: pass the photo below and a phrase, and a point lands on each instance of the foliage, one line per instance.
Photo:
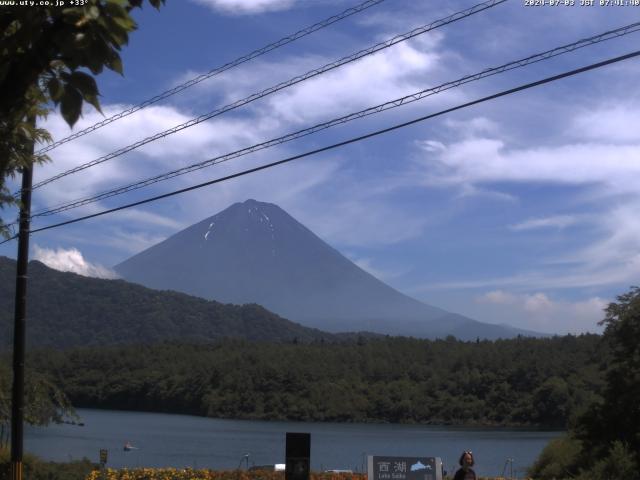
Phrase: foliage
(49, 55)
(44, 402)
(37, 469)
(617, 464)
(116, 312)
(604, 440)
(617, 417)
(384, 380)
(559, 459)
(191, 474)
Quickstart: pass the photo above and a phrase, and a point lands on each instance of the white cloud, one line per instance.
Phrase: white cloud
(619, 247)
(554, 221)
(601, 148)
(431, 145)
(610, 258)
(474, 126)
(497, 297)
(402, 69)
(600, 156)
(487, 160)
(538, 302)
(386, 75)
(539, 312)
(189, 146)
(143, 217)
(383, 76)
(367, 264)
(71, 260)
(609, 123)
(468, 190)
(244, 7)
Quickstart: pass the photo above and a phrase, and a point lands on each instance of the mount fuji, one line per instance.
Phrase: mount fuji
(255, 252)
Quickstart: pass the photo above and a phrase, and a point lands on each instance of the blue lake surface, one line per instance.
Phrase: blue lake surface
(182, 440)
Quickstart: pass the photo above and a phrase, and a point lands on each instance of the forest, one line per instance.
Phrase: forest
(518, 382)
(69, 310)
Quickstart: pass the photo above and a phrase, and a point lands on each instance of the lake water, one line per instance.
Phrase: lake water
(181, 440)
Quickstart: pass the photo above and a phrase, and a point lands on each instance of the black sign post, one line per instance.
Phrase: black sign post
(404, 468)
(298, 456)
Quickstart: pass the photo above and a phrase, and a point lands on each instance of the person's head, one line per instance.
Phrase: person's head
(466, 459)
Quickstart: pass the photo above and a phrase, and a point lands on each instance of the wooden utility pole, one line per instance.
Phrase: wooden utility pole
(19, 330)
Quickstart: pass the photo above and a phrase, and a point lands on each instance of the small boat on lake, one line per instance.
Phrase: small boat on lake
(128, 447)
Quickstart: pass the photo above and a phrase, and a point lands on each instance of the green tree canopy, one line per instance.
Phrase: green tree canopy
(604, 442)
(48, 58)
(617, 417)
(45, 403)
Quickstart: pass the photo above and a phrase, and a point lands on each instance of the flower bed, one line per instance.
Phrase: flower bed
(191, 474)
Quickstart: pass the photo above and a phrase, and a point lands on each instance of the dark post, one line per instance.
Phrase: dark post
(298, 456)
(19, 332)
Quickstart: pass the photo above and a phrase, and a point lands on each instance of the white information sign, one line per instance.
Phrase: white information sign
(404, 468)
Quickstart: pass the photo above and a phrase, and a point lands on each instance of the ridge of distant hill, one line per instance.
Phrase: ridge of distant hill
(255, 252)
(68, 310)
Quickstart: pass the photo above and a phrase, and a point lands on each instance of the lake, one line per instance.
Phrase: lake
(182, 440)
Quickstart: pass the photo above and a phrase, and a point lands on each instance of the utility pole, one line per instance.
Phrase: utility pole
(20, 320)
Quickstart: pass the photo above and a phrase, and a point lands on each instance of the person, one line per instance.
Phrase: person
(466, 462)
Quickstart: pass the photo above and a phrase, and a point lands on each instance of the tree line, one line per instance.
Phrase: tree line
(523, 381)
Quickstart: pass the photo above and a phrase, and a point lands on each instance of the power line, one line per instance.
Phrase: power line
(216, 71)
(347, 118)
(255, 96)
(520, 88)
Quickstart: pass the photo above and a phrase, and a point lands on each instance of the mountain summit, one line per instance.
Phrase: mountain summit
(255, 252)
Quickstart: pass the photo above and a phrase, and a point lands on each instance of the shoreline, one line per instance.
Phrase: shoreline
(450, 426)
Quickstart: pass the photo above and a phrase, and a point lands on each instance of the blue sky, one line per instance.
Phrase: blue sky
(524, 210)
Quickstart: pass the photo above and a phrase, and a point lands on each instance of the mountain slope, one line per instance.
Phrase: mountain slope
(254, 252)
(66, 310)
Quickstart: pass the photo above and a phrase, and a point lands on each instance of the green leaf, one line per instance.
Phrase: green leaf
(71, 105)
(115, 10)
(71, 15)
(55, 89)
(87, 86)
(95, 56)
(81, 40)
(115, 63)
(116, 32)
(93, 12)
(126, 24)
(84, 82)
(25, 132)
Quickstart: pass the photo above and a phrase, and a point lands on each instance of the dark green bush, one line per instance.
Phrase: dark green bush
(558, 460)
(37, 469)
(619, 464)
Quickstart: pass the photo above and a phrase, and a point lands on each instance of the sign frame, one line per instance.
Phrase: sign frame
(383, 467)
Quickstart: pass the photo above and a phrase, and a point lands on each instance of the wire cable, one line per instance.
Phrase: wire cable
(216, 71)
(503, 93)
(280, 86)
(631, 28)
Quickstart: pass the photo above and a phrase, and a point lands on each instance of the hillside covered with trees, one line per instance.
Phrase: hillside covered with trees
(69, 310)
(511, 382)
